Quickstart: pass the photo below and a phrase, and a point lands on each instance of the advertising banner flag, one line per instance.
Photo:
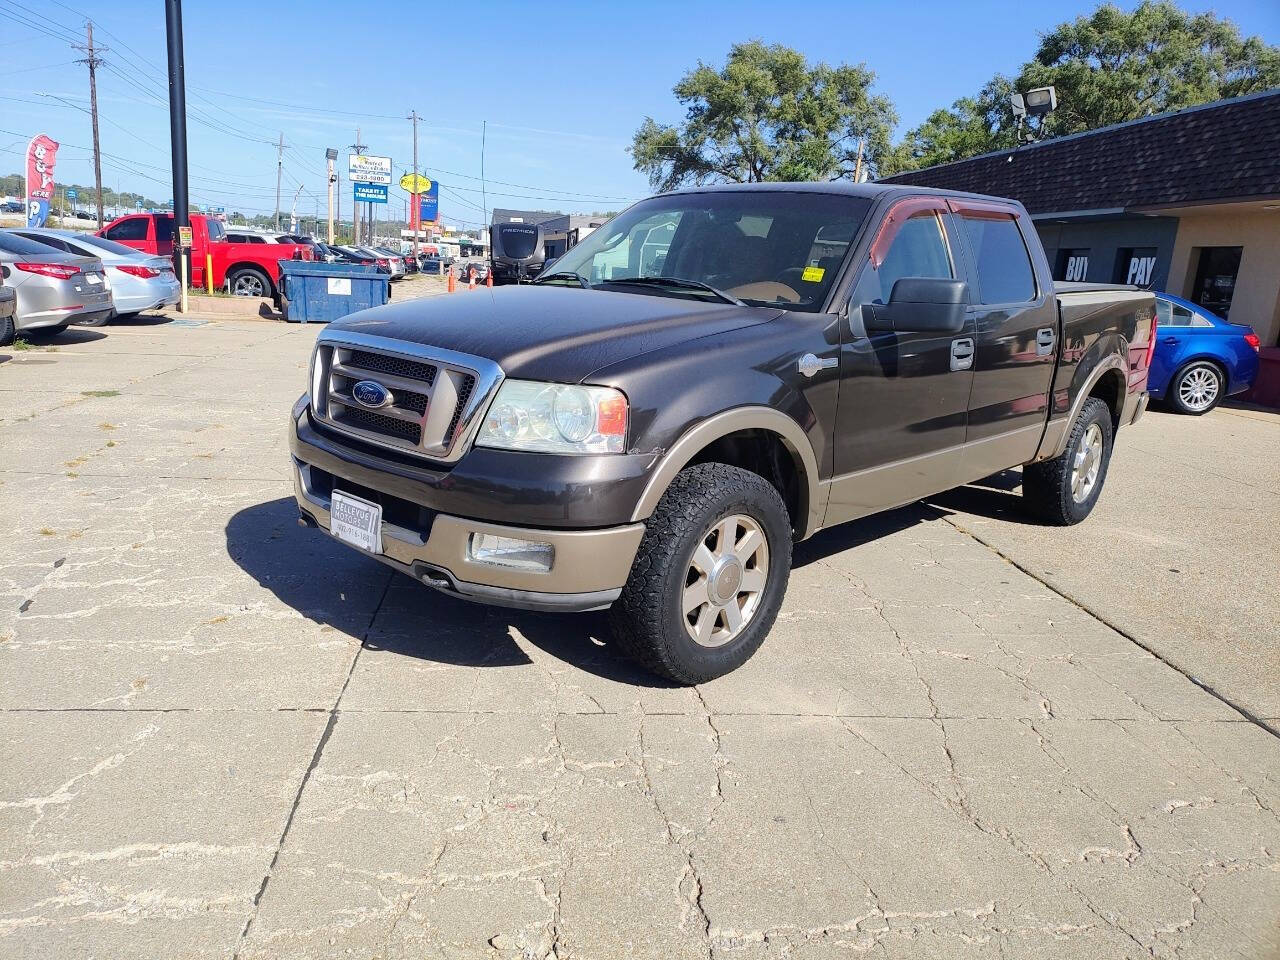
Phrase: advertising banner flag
(429, 203)
(41, 153)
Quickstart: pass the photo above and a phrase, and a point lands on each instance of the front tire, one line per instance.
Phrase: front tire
(8, 331)
(1063, 491)
(1196, 388)
(709, 577)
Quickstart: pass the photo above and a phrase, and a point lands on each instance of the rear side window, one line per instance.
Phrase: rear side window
(1004, 267)
(135, 228)
(164, 229)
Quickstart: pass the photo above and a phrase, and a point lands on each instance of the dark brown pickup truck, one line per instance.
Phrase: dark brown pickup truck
(710, 377)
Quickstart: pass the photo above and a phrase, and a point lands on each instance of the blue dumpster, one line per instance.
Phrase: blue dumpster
(318, 292)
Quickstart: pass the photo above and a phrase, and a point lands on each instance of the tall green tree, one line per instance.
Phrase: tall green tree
(1108, 67)
(767, 115)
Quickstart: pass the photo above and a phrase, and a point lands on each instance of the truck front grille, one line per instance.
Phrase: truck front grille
(432, 399)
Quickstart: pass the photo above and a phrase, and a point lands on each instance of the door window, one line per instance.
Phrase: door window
(134, 228)
(164, 229)
(1004, 266)
(919, 249)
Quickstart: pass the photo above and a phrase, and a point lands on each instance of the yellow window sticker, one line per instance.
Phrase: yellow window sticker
(813, 274)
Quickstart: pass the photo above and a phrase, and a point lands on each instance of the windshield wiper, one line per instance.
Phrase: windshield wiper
(676, 283)
(567, 275)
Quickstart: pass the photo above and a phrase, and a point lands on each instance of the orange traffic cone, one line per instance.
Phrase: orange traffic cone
(488, 279)
(453, 285)
(471, 279)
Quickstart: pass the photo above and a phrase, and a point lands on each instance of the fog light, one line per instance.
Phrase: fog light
(512, 552)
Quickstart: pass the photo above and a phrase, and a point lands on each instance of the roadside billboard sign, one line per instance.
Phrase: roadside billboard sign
(429, 203)
(370, 192)
(415, 183)
(367, 169)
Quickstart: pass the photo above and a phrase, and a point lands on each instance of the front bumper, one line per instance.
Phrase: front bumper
(588, 570)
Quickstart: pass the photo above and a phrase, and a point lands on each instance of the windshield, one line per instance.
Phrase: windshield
(765, 247)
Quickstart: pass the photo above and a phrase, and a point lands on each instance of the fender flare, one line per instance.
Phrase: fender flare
(1056, 432)
(698, 437)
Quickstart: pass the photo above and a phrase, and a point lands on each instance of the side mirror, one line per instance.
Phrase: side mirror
(919, 305)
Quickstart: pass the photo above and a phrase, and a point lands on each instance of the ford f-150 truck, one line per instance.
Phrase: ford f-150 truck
(710, 377)
(244, 269)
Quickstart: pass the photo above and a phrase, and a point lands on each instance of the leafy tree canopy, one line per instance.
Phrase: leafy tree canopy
(767, 115)
(1108, 67)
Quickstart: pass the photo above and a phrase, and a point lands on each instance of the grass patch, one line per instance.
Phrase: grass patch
(20, 345)
(111, 443)
(99, 393)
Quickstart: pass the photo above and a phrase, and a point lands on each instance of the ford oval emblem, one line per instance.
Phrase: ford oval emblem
(371, 394)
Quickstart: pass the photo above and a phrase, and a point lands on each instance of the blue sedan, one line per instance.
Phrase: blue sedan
(1199, 358)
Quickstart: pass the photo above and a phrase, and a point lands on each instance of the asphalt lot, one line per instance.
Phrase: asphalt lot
(222, 735)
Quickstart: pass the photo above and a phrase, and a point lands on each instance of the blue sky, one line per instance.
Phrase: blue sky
(556, 136)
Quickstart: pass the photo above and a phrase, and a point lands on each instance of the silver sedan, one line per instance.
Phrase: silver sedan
(53, 288)
(139, 281)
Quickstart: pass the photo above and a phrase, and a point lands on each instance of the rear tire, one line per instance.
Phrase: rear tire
(1063, 491)
(8, 331)
(709, 577)
(1196, 388)
(250, 282)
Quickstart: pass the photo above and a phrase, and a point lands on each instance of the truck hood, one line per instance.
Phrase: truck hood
(551, 332)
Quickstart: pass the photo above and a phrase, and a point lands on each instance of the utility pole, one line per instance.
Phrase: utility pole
(279, 171)
(177, 141)
(359, 148)
(93, 61)
(417, 200)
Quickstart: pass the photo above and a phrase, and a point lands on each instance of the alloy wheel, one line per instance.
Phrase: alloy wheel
(725, 580)
(1087, 464)
(1198, 388)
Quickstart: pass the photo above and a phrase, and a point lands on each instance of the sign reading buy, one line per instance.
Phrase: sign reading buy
(366, 169)
(41, 153)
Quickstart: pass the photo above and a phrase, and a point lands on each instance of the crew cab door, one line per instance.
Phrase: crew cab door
(904, 397)
(1017, 334)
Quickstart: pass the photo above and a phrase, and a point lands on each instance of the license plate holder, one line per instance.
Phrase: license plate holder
(356, 522)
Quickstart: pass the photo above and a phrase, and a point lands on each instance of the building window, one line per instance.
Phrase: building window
(1136, 265)
(1216, 272)
(1073, 265)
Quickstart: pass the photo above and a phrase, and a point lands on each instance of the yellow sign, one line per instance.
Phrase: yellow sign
(812, 274)
(184, 237)
(415, 183)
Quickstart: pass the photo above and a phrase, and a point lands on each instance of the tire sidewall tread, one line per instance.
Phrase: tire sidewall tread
(646, 618)
(1046, 486)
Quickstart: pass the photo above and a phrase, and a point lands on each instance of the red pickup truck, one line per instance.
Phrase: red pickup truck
(245, 269)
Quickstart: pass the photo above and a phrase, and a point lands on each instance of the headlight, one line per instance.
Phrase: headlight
(555, 418)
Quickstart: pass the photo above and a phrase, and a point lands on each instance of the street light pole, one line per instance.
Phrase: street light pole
(178, 140)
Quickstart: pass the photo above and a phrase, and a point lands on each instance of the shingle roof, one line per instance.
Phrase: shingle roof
(1227, 150)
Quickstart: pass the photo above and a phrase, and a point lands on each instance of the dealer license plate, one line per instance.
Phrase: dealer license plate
(93, 277)
(355, 521)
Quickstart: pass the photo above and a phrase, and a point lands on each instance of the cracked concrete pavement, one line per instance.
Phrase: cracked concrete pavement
(226, 736)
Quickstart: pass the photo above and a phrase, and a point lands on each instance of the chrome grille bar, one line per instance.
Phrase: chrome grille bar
(435, 397)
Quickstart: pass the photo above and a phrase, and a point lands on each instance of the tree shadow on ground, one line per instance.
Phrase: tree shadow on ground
(332, 584)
